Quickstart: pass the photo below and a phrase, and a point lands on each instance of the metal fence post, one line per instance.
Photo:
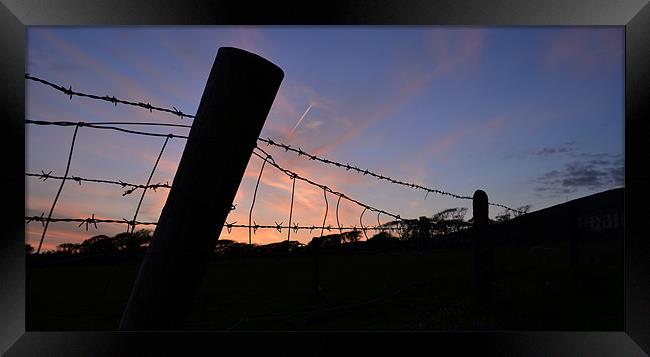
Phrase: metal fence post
(235, 103)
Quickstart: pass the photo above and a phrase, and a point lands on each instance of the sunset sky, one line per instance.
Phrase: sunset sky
(530, 115)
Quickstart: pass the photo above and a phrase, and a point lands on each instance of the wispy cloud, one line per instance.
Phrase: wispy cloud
(600, 172)
(449, 51)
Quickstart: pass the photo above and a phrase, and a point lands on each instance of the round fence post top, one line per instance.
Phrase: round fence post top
(480, 207)
(480, 195)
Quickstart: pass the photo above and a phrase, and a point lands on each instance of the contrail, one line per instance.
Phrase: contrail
(300, 120)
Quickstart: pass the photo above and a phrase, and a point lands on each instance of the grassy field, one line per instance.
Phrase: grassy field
(533, 289)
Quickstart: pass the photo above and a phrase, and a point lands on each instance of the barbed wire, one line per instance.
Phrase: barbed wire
(357, 169)
(300, 152)
(277, 226)
(45, 176)
(324, 187)
(107, 127)
(111, 99)
(268, 141)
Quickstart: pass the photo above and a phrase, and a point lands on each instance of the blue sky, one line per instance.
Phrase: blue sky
(531, 115)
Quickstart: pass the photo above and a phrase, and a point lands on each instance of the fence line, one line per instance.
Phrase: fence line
(299, 152)
(264, 155)
(268, 141)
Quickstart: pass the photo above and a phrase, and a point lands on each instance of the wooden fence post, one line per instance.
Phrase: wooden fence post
(483, 250)
(235, 103)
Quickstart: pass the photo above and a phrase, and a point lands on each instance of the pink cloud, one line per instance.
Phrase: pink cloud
(474, 130)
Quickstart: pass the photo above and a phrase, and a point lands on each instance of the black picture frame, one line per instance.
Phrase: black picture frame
(15, 15)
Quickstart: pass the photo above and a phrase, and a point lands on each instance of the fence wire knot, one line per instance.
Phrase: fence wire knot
(78, 179)
(178, 112)
(278, 226)
(129, 191)
(68, 92)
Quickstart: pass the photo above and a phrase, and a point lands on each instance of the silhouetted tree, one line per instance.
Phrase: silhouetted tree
(449, 220)
(508, 215)
(68, 248)
(29, 249)
(335, 240)
(132, 242)
(99, 244)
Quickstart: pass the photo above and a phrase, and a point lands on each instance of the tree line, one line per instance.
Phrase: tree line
(442, 223)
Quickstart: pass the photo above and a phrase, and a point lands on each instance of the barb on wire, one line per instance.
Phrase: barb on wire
(58, 193)
(69, 92)
(357, 169)
(230, 225)
(91, 220)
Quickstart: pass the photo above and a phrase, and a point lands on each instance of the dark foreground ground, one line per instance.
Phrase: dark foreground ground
(534, 289)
